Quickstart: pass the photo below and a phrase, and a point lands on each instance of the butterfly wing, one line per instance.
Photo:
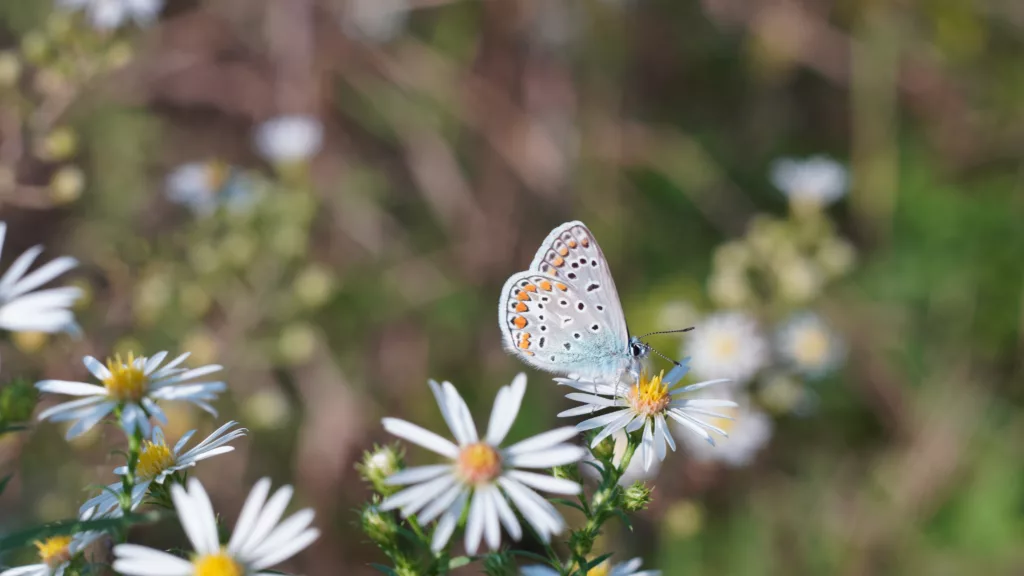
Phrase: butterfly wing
(571, 254)
(549, 324)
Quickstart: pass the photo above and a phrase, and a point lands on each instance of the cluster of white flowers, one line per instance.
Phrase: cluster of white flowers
(110, 14)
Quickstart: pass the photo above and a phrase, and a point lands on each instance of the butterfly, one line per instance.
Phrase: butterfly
(563, 314)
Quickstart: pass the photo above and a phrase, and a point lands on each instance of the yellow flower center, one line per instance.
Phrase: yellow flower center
(54, 551)
(811, 347)
(650, 395)
(479, 463)
(724, 346)
(219, 564)
(154, 459)
(599, 570)
(126, 382)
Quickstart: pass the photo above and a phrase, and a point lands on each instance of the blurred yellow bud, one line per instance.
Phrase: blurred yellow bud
(87, 293)
(781, 393)
(10, 68)
(267, 409)
(836, 257)
(152, 294)
(684, 519)
(67, 184)
(765, 235)
(60, 144)
(204, 347)
(194, 300)
(204, 258)
(290, 241)
(314, 285)
(297, 343)
(118, 55)
(732, 255)
(35, 47)
(239, 249)
(29, 342)
(798, 279)
(59, 24)
(730, 289)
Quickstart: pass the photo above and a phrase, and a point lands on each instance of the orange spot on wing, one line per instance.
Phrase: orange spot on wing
(520, 322)
(558, 261)
(521, 307)
(523, 296)
(561, 286)
(572, 243)
(524, 343)
(528, 353)
(585, 241)
(545, 285)
(563, 251)
(530, 288)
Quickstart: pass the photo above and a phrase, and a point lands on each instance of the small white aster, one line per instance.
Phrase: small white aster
(289, 139)
(202, 187)
(749, 430)
(110, 14)
(260, 539)
(482, 474)
(727, 345)
(375, 20)
(818, 179)
(133, 385)
(645, 405)
(630, 568)
(21, 309)
(809, 346)
(157, 461)
(57, 552)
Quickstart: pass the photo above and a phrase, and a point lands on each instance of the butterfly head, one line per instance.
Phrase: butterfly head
(638, 349)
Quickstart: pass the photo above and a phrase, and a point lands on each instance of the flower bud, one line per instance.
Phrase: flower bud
(17, 400)
(67, 184)
(60, 144)
(500, 564)
(636, 497)
(378, 464)
(604, 451)
(379, 526)
(568, 473)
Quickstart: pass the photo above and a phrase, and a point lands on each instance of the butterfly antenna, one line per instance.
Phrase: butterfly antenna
(666, 357)
(667, 332)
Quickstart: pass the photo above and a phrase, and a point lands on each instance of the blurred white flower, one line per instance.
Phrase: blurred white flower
(260, 539)
(375, 20)
(134, 385)
(202, 187)
(55, 555)
(21, 309)
(157, 461)
(749, 431)
(482, 474)
(818, 179)
(288, 139)
(110, 14)
(630, 568)
(727, 345)
(809, 346)
(645, 405)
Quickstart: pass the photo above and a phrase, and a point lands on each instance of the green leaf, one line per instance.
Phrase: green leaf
(625, 519)
(568, 503)
(4, 429)
(597, 561)
(384, 569)
(65, 527)
(532, 556)
(3, 483)
(459, 562)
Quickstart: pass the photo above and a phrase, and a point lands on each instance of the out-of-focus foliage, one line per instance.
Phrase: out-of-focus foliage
(453, 135)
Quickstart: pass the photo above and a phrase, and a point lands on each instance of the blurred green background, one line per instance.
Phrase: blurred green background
(456, 135)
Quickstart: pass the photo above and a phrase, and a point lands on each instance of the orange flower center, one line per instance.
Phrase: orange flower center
(54, 551)
(479, 463)
(649, 396)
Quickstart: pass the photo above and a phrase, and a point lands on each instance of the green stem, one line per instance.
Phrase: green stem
(128, 479)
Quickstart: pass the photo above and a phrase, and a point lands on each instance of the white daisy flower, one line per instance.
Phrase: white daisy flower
(645, 405)
(157, 461)
(110, 14)
(260, 539)
(288, 139)
(133, 386)
(375, 20)
(202, 187)
(749, 430)
(57, 552)
(21, 309)
(727, 345)
(481, 473)
(818, 179)
(634, 470)
(809, 346)
(630, 568)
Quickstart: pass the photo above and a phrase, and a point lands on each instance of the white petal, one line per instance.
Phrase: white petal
(153, 362)
(679, 417)
(475, 523)
(603, 420)
(420, 436)
(89, 420)
(545, 482)
(417, 474)
(42, 275)
(289, 549)
(492, 527)
(135, 560)
(412, 499)
(584, 410)
(505, 513)
(549, 457)
(444, 529)
(73, 405)
(647, 446)
(249, 514)
(96, 368)
(594, 400)
(196, 516)
(465, 428)
(71, 388)
(699, 386)
(662, 427)
(267, 520)
(277, 546)
(440, 504)
(538, 512)
(18, 268)
(543, 441)
(505, 410)
(626, 418)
